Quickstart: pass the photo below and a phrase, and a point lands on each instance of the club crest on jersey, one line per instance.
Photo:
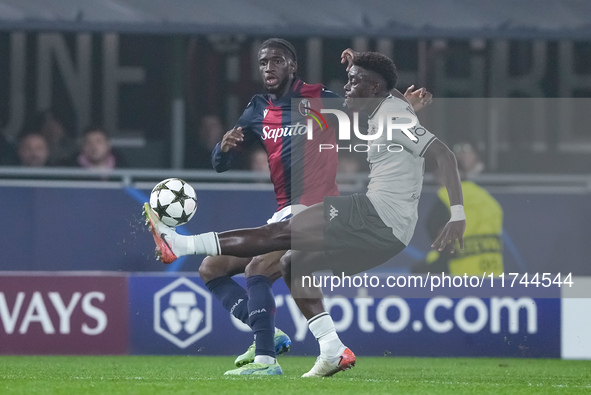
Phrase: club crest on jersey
(304, 107)
(306, 110)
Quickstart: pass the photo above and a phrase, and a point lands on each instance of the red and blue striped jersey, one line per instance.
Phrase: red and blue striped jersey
(300, 173)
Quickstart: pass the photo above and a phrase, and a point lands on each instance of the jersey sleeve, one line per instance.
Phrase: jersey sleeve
(223, 161)
(246, 119)
(332, 100)
(416, 139)
(327, 94)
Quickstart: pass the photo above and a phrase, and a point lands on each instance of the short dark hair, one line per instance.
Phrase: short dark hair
(380, 64)
(282, 44)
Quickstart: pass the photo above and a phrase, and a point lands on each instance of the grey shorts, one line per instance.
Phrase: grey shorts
(352, 223)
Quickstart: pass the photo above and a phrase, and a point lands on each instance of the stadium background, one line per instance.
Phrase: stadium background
(518, 78)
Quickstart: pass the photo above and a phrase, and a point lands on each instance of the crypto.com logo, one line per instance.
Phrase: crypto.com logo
(182, 312)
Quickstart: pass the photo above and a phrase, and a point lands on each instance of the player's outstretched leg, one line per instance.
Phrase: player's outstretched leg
(170, 245)
(306, 233)
(162, 235)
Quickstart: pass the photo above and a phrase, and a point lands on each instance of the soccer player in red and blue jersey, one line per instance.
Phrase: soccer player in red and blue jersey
(301, 177)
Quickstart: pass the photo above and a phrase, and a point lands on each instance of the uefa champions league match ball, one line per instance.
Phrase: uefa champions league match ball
(174, 201)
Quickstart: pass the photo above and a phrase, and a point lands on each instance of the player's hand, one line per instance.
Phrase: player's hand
(231, 139)
(347, 56)
(451, 232)
(419, 98)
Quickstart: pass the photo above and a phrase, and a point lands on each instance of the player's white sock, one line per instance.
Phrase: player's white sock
(322, 327)
(203, 244)
(264, 359)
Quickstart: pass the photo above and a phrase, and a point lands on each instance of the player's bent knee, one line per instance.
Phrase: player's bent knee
(286, 264)
(263, 266)
(207, 270)
(214, 267)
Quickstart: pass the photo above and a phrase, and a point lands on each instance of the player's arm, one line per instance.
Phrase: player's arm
(448, 167)
(418, 98)
(233, 144)
(223, 154)
(227, 150)
(347, 56)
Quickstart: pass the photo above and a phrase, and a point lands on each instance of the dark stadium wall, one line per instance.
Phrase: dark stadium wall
(115, 80)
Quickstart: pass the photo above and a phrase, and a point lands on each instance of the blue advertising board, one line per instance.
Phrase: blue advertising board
(103, 229)
(55, 228)
(178, 315)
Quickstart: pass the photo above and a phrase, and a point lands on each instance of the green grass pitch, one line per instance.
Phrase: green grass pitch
(372, 375)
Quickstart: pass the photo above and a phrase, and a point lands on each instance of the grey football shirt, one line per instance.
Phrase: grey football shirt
(396, 168)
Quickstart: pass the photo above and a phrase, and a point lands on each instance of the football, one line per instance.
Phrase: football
(174, 201)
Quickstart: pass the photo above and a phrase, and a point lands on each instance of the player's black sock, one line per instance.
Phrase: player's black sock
(261, 311)
(233, 297)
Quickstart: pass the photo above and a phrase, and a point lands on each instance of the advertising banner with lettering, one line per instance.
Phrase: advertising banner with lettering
(178, 315)
(64, 314)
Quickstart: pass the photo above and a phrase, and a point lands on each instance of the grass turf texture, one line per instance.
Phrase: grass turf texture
(375, 375)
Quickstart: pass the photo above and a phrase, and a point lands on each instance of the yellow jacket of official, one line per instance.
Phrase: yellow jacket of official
(483, 243)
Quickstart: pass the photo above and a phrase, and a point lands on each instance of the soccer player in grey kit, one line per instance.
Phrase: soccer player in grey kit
(349, 233)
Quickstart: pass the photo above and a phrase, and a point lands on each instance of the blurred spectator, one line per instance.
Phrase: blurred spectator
(469, 161)
(211, 131)
(483, 244)
(61, 146)
(259, 160)
(33, 150)
(8, 155)
(95, 151)
(200, 144)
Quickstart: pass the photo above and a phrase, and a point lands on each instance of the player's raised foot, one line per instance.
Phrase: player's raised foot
(162, 235)
(259, 369)
(326, 368)
(282, 345)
